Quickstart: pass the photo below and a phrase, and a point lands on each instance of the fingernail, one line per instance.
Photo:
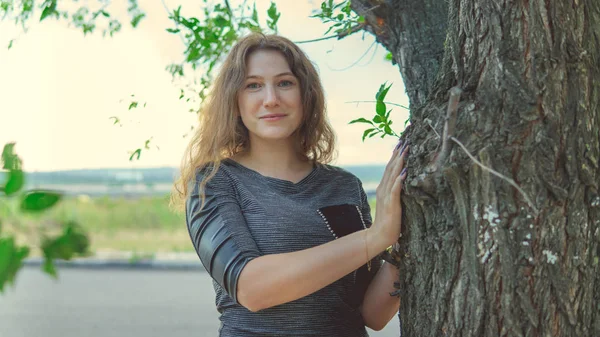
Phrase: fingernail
(404, 147)
(403, 171)
(398, 145)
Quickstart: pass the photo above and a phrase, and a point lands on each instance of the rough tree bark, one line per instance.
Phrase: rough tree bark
(480, 259)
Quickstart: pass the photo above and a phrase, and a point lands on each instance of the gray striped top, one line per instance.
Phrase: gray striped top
(265, 215)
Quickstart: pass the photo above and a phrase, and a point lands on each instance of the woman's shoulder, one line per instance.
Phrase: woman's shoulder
(221, 169)
(216, 175)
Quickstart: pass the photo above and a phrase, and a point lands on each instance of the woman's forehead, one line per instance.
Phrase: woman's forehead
(265, 62)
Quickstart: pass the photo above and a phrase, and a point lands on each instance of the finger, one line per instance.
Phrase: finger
(399, 165)
(397, 189)
(395, 172)
(390, 165)
(402, 157)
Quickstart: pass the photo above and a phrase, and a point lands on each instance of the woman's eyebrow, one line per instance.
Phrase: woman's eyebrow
(278, 75)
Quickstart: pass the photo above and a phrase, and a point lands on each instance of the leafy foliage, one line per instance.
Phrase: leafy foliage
(12, 163)
(207, 40)
(210, 38)
(11, 260)
(340, 16)
(35, 201)
(73, 241)
(381, 124)
(87, 17)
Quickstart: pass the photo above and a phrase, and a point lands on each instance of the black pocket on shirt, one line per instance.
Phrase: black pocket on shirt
(342, 219)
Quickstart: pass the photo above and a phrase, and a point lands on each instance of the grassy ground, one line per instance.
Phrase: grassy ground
(143, 225)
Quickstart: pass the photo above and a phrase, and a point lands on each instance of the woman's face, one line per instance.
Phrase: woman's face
(269, 100)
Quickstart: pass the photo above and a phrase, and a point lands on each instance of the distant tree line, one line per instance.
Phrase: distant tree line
(367, 173)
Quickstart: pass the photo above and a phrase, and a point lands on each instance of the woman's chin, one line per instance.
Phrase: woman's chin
(275, 136)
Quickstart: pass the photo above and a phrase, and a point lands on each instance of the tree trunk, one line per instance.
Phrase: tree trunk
(483, 258)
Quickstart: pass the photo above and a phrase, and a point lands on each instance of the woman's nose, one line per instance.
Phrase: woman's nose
(271, 96)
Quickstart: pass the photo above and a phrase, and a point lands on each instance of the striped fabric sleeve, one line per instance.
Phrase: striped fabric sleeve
(219, 233)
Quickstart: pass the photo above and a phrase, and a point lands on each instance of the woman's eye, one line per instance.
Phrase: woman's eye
(286, 83)
(253, 86)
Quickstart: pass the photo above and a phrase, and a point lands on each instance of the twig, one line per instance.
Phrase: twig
(339, 36)
(497, 174)
(176, 23)
(432, 128)
(449, 125)
(390, 103)
(359, 59)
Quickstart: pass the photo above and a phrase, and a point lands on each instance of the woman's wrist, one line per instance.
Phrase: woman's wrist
(376, 242)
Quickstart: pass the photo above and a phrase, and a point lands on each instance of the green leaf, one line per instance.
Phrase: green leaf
(380, 108)
(11, 260)
(382, 92)
(16, 180)
(10, 43)
(9, 159)
(136, 19)
(73, 241)
(377, 119)
(388, 130)
(35, 201)
(133, 105)
(137, 153)
(273, 16)
(49, 268)
(254, 14)
(221, 22)
(389, 57)
(49, 9)
(367, 132)
(88, 28)
(361, 120)
(173, 30)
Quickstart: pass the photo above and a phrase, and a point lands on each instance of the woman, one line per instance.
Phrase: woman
(286, 238)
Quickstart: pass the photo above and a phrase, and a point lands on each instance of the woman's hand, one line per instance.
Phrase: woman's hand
(388, 211)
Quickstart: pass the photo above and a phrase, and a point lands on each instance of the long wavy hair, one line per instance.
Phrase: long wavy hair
(221, 133)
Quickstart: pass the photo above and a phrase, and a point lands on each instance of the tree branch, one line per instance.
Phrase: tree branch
(449, 125)
(414, 32)
(339, 36)
(390, 103)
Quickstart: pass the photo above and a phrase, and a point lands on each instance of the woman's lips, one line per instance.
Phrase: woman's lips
(272, 118)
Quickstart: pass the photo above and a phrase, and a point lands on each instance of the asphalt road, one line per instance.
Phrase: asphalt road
(112, 302)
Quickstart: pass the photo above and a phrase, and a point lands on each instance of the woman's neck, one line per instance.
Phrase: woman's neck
(278, 160)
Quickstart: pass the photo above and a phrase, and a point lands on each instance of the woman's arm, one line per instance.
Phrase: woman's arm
(271, 280)
(378, 306)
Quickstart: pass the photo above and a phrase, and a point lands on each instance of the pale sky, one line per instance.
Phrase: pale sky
(59, 88)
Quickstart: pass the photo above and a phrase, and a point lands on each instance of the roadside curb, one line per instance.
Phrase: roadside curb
(139, 264)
